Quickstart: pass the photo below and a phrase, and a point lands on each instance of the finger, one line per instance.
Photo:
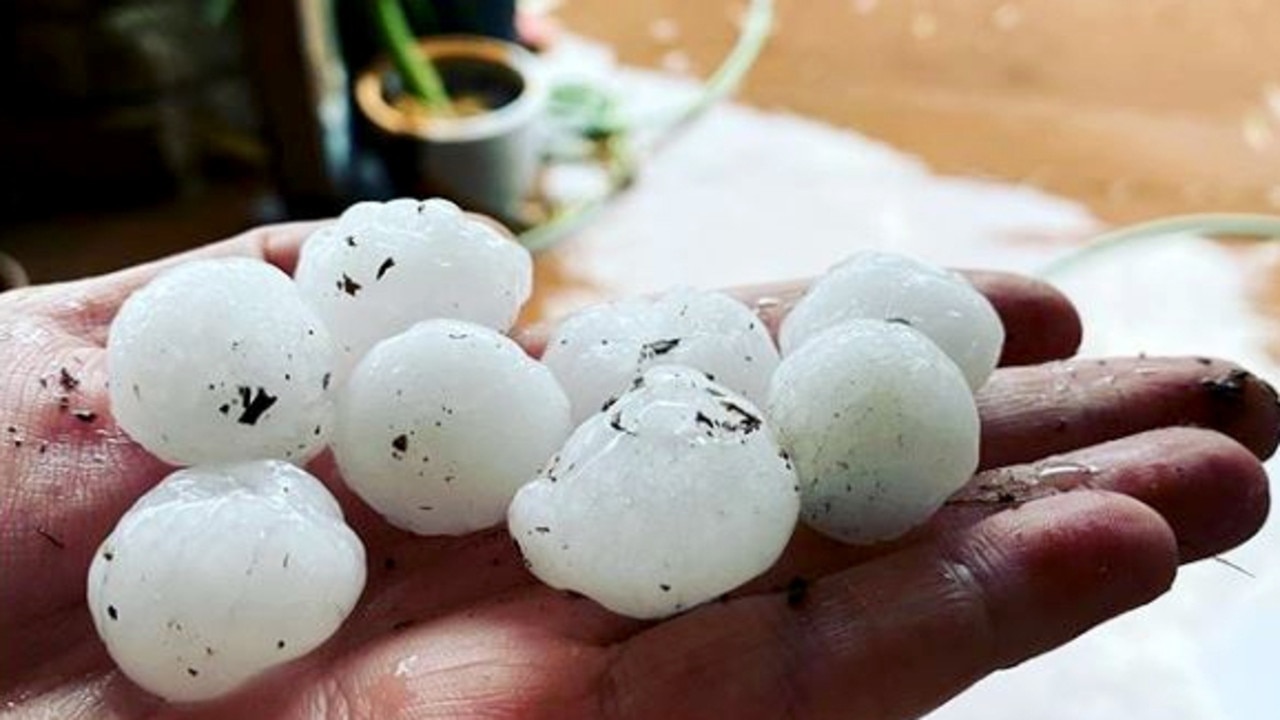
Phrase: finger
(1028, 413)
(85, 308)
(898, 636)
(1210, 489)
(275, 244)
(1040, 323)
(280, 245)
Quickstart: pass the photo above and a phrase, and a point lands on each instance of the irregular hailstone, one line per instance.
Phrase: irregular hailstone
(221, 572)
(221, 360)
(597, 352)
(381, 268)
(440, 425)
(880, 424)
(674, 495)
(880, 286)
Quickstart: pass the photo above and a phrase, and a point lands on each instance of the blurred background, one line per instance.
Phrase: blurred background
(967, 132)
(137, 127)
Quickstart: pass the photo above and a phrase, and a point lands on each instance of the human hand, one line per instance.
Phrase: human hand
(1098, 478)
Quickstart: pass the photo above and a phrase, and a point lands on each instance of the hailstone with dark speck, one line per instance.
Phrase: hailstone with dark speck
(872, 285)
(438, 426)
(220, 573)
(673, 496)
(221, 360)
(599, 351)
(881, 425)
(383, 267)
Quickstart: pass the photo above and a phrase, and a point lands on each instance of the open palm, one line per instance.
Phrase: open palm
(1099, 477)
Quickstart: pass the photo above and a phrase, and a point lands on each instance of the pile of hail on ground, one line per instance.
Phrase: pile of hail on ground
(658, 455)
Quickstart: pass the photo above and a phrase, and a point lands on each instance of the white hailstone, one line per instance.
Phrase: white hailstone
(674, 495)
(381, 268)
(438, 427)
(598, 352)
(221, 360)
(880, 286)
(221, 572)
(880, 424)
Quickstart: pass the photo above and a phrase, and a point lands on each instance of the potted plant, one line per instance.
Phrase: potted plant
(329, 150)
(457, 116)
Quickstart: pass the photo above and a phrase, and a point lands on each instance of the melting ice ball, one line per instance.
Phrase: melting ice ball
(440, 425)
(221, 572)
(221, 360)
(383, 267)
(599, 351)
(674, 495)
(881, 286)
(881, 426)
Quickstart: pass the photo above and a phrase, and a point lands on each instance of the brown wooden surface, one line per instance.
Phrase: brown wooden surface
(1137, 109)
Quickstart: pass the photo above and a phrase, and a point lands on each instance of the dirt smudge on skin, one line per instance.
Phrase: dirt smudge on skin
(1229, 388)
(52, 539)
(797, 592)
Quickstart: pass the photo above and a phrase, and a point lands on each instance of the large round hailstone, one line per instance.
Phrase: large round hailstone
(674, 495)
(381, 268)
(221, 572)
(221, 360)
(440, 425)
(598, 352)
(881, 426)
(880, 286)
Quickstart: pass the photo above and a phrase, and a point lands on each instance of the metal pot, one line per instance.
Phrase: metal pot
(487, 161)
